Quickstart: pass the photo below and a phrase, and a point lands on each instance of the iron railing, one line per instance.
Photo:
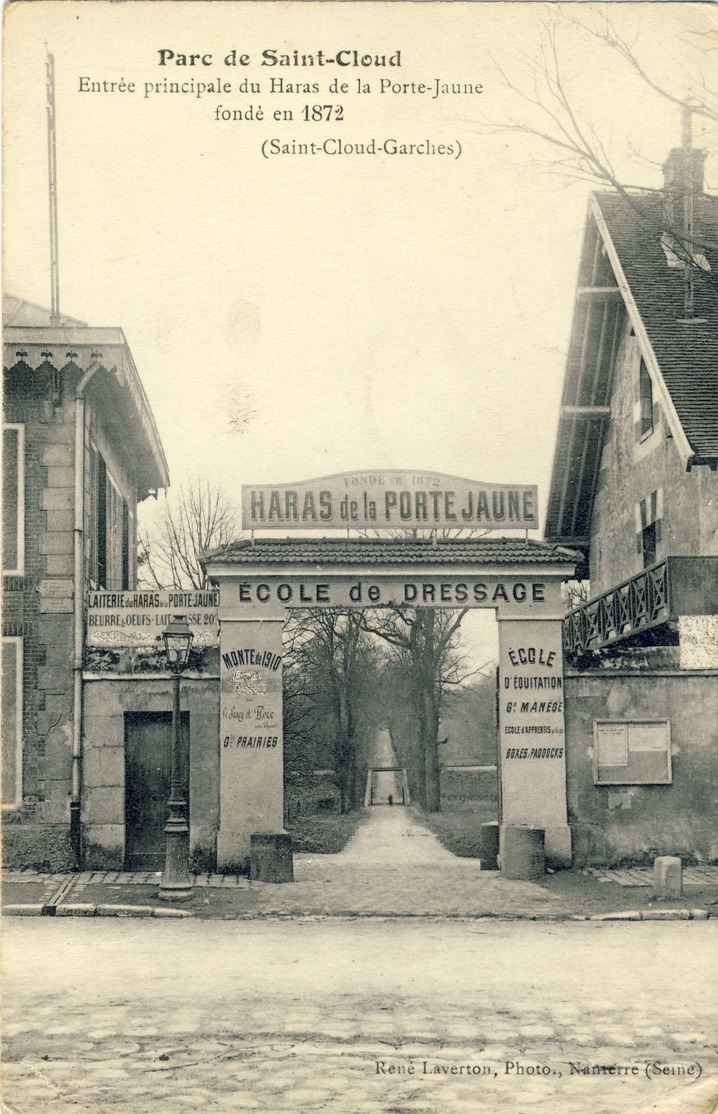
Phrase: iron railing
(636, 604)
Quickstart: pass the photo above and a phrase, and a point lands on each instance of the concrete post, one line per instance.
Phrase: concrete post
(667, 877)
(271, 857)
(522, 853)
(489, 845)
(532, 742)
(251, 791)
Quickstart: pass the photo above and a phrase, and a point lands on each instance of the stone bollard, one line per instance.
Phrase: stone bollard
(667, 877)
(270, 857)
(522, 853)
(489, 845)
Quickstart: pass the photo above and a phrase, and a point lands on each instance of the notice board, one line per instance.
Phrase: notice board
(632, 752)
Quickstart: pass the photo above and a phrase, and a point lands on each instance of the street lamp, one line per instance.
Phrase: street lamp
(176, 883)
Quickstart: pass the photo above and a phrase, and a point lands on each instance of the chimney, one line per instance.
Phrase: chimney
(682, 183)
(682, 176)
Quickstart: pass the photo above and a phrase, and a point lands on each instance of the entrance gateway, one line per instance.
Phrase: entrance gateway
(262, 578)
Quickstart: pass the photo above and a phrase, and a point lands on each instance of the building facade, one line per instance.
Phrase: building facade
(635, 489)
(80, 450)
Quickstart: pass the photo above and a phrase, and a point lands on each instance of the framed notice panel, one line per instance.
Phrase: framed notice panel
(631, 752)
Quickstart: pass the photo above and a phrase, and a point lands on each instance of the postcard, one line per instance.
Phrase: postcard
(359, 669)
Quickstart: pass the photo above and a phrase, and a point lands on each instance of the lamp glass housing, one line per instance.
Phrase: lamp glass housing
(178, 639)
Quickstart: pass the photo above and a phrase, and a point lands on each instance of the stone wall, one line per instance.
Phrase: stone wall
(107, 698)
(632, 468)
(37, 607)
(633, 823)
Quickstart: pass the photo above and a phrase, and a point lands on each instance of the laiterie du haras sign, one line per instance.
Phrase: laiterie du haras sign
(387, 500)
(138, 618)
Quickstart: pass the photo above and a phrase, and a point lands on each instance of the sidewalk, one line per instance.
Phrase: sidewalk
(393, 867)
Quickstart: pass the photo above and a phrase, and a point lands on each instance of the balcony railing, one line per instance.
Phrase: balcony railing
(635, 605)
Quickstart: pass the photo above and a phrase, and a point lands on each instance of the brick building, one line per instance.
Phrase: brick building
(80, 451)
(634, 487)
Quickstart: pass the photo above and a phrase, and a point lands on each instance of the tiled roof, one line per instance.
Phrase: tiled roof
(633, 277)
(323, 552)
(687, 352)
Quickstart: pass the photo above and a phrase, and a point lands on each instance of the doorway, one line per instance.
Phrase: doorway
(148, 741)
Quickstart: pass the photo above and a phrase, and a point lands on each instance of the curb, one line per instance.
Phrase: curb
(654, 915)
(87, 910)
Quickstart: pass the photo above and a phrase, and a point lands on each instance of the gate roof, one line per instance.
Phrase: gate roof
(418, 552)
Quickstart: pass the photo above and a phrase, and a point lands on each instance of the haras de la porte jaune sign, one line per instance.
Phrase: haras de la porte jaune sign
(389, 500)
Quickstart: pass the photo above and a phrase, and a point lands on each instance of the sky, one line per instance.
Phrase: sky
(296, 316)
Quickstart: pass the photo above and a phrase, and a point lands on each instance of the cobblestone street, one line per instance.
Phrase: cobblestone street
(393, 866)
(126, 1017)
(366, 987)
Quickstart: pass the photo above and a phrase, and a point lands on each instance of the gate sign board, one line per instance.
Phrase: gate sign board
(138, 618)
(251, 736)
(531, 724)
(389, 500)
(252, 597)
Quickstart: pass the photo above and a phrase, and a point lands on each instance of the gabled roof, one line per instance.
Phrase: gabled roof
(421, 552)
(625, 272)
(686, 350)
(18, 311)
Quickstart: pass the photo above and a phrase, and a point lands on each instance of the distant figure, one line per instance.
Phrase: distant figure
(391, 799)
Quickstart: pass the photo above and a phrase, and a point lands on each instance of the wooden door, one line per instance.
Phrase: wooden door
(148, 739)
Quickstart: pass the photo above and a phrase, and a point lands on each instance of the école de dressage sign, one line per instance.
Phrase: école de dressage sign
(389, 500)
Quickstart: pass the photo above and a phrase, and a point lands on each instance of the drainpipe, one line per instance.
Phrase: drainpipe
(78, 615)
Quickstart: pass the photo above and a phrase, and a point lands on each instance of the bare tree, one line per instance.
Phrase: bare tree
(425, 641)
(198, 517)
(578, 150)
(329, 655)
(575, 593)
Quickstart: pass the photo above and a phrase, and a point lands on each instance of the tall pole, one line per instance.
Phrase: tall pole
(176, 882)
(52, 185)
(689, 187)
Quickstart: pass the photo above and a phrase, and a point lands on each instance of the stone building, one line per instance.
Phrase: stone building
(80, 451)
(634, 488)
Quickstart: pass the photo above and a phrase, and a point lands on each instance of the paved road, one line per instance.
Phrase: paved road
(340, 1016)
(385, 782)
(391, 838)
(394, 865)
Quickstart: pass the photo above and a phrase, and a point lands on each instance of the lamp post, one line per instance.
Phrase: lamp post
(176, 882)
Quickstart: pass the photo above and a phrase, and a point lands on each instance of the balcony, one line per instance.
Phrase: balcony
(657, 595)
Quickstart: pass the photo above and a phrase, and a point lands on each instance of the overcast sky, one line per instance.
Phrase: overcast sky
(297, 316)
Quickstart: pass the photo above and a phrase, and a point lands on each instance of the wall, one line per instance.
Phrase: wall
(37, 607)
(106, 699)
(613, 824)
(631, 469)
(464, 788)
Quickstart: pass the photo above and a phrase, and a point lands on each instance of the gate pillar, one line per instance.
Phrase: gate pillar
(251, 750)
(532, 740)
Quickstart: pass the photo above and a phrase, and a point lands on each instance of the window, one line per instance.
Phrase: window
(645, 387)
(114, 536)
(101, 520)
(632, 752)
(126, 572)
(649, 527)
(13, 491)
(11, 723)
(648, 545)
(112, 532)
